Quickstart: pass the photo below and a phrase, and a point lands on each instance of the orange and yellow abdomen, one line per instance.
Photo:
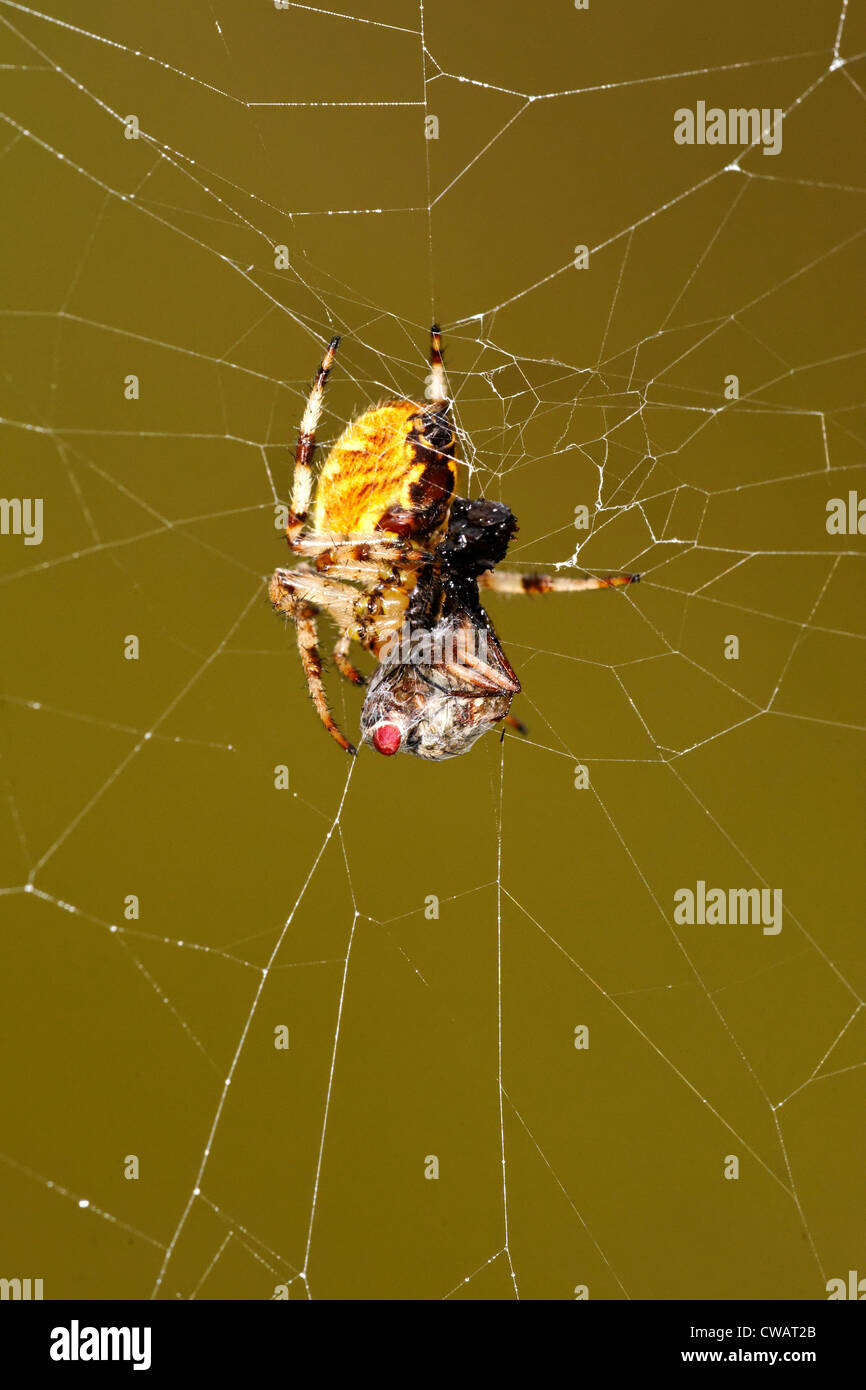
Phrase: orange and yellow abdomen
(391, 472)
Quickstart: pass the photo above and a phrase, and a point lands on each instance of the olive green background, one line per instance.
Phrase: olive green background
(604, 386)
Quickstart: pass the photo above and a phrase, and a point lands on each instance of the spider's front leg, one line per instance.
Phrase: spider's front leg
(289, 592)
(342, 662)
(302, 483)
(357, 552)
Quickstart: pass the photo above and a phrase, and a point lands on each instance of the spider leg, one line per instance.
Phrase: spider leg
(515, 724)
(285, 596)
(337, 599)
(342, 662)
(438, 389)
(550, 584)
(302, 484)
(308, 647)
(357, 550)
(321, 590)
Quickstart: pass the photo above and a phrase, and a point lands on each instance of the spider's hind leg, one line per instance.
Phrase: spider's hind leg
(516, 724)
(502, 583)
(438, 388)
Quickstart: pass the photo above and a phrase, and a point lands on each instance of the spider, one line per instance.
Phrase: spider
(396, 560)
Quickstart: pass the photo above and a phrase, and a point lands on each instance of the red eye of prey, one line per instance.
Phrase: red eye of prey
(386, 739)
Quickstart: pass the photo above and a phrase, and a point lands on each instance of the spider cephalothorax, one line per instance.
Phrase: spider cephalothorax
(398, 562)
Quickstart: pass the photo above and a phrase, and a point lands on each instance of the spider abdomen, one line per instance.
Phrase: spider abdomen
(392, 472)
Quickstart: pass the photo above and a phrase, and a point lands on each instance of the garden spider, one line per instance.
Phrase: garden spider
(396, 560)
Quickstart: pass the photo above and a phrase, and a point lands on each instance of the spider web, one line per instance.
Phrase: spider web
(431, 937)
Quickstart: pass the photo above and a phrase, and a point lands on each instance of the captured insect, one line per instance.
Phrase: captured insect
(396, 559)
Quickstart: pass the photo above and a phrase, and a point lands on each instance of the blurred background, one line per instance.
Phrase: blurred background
(196, 199)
